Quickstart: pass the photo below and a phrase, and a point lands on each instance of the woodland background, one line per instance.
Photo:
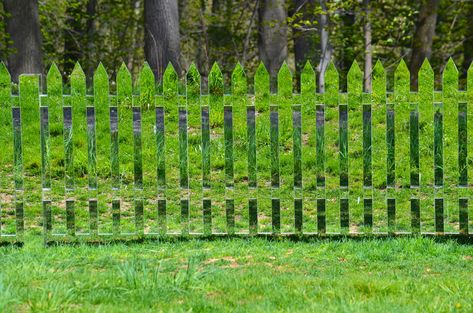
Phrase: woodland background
(34, 34)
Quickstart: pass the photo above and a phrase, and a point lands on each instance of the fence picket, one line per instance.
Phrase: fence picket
(193, 98)
(54, 103)
(239, 153)
(73, 143)
(332, 166)
(464, 211)
(354, 165)
(147, 101)
(450, 122)
(426, 142)
(378, 102)
(308, 100)
(29, 102)
(217, 143)
(402, 138)
(261, 205)
(285, 191)
(121, 141)
(6, 140)
(173, 193)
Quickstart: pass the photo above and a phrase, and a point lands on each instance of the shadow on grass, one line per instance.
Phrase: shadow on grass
(464, 239)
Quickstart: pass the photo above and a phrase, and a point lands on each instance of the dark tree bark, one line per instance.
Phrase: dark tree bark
(79, 37)
(423, 36)
(272, 44)
(23, 27)
(305, 37)
(221, 35)
(203, 62)
(325, 47)
(162, 35)
(73, 36)
(90, 30)
(368, 52)
(183, 5)
(468, 44)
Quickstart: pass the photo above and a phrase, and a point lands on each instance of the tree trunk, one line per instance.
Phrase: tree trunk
(468, 44)
(73, 36)
(23, 27)
(422, 40)
(325, 47)
(368, 52)
(272, 44)
(90, 30)
(305, 37)
(162, 35)
(203, 51)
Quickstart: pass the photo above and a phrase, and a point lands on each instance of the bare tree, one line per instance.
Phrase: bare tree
(424, 34)
(162, 35)
(23, 26)
(272, 43)
(368, 52)
(325, 47)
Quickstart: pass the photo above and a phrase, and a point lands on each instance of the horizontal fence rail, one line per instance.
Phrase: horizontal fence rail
(184, 162)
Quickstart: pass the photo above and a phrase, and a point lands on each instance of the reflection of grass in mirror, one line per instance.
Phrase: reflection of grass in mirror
(229, 169)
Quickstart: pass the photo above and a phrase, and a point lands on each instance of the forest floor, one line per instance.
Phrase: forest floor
(391, 275)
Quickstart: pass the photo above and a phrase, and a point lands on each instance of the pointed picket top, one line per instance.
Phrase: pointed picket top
(170, 82)
(261, 81)
(215, 81)
(308, 81)
(193, 85)
(54, 84)
(4, 73)
(124, 86)
(450, 83)
(426, 84)
(378, 83)
(101, 87)
(284, 82)
(146, 86)
(401, 83)
(77, 76)
(469, 83)
(331, 85)
(78, 87)
(5, 84)
(239, 83)
(355, 85)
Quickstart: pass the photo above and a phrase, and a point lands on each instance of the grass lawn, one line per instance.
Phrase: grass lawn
(257, 275)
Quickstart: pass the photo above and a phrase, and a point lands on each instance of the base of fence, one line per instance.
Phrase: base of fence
(11, 240)
(106, 238)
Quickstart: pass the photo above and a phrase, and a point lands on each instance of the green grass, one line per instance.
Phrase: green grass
(254, 275)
